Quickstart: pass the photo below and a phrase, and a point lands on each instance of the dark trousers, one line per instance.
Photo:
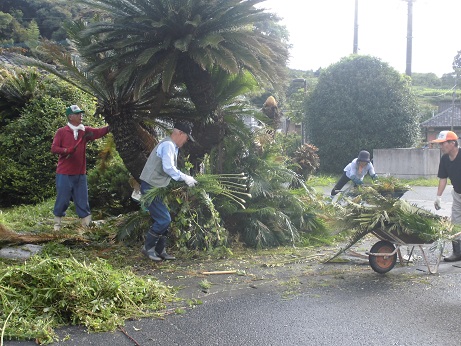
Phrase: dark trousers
(158, 212)
(340, 184)
(71, 188)
(160, 215)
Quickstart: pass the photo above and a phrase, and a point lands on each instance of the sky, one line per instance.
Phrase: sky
(322, 32)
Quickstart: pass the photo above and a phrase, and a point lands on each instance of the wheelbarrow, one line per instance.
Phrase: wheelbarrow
(382, 256)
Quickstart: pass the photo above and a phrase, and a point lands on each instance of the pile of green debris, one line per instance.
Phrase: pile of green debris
(45, 293)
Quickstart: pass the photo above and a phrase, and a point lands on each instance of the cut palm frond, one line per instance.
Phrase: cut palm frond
(133, 227)
(197, 223)
(230, 186)
(390, 185)
(387, 216)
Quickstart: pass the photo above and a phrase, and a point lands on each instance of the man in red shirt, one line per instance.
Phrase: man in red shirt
(71, 184)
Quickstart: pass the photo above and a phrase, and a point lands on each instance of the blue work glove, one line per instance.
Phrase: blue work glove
(356, 180)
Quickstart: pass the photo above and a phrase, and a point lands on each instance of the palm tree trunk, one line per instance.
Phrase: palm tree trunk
(133, 143)
(200, 87)
(208, 134)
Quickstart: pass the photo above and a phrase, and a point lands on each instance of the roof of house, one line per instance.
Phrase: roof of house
(6, 60)
(445, 119)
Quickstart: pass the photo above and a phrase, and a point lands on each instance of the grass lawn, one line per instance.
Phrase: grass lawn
(329, 180)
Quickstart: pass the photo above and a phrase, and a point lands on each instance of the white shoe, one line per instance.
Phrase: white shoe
(86, 221)
(57, 223)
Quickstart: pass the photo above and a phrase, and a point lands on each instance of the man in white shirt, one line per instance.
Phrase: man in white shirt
(160, 168)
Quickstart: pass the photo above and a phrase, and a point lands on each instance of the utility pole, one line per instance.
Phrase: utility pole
(457, 68)
(356, 28)
(409, 36)
(453, 103)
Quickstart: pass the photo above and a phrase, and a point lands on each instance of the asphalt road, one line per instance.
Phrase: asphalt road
(354, 310)
(302, 303)
(425, 196)
(353, 306)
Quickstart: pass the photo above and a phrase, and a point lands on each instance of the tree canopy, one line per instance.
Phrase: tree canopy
(156, 60)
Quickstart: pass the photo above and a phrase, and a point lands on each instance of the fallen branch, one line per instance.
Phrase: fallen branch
(9, 237)
(128, 336)
(220, 272)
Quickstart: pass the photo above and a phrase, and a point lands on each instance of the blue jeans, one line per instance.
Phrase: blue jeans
(75, 188)
(158, 212)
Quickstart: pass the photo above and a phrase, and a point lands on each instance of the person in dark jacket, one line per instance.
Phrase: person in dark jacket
(450, 167)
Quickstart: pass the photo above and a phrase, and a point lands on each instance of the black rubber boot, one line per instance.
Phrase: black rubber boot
(160, 249)
(148, 249)
(334, 192)
(456, 256)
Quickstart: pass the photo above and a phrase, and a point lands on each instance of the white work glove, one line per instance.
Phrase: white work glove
(438, 203)
(136, 195)
(190, 181)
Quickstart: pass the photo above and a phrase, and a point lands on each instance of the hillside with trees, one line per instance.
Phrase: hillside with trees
(25, 20)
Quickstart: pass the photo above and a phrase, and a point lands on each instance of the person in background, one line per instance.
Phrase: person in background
(355, 171)
(160, 168)
(450, 167)
(71, 183)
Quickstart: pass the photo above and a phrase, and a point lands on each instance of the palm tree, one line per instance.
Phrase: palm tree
(16, 89)
(181, 42)
(153, 60)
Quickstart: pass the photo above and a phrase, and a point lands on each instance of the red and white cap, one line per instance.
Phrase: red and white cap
(445, 136)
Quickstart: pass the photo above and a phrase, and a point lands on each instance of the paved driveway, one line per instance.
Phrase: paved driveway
(425, 196)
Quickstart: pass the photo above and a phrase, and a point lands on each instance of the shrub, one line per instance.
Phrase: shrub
(358, 104)
(108, 183)
(307, 160)
(27, 166)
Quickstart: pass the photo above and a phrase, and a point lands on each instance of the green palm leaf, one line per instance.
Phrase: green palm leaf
(372, 212)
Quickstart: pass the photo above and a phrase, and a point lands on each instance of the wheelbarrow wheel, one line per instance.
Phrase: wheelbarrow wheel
(382, 264)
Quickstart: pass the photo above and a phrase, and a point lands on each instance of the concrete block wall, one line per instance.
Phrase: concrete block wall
(407, 163)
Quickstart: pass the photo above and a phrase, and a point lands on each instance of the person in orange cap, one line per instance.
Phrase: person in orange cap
(450, 167)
